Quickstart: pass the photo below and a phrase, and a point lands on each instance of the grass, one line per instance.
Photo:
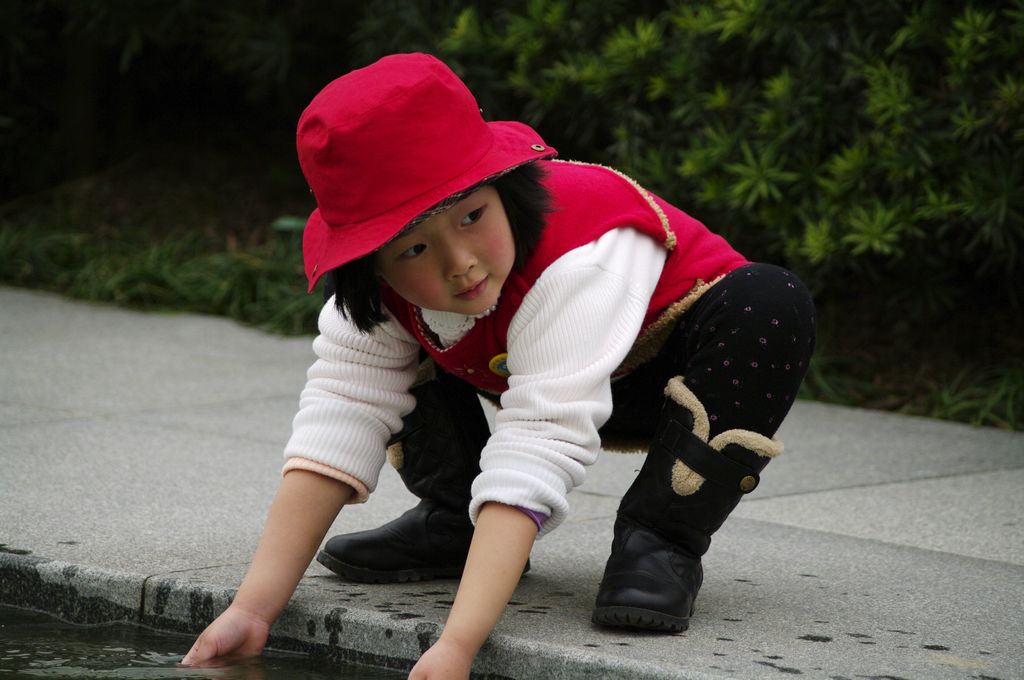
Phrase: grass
(994, 397)
(166, 241)
(978, 393)
(969, 369)
(260, 286)
(173, 228)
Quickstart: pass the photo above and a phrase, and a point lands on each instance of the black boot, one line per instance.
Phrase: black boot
(437, 455)
(684, 492)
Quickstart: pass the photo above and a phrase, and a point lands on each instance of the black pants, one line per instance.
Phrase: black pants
(743, 349)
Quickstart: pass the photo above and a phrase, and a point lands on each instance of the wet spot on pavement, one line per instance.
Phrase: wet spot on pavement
(426, 633)
(810, 637)
(13, 551)
(332, 623)
(782, 669)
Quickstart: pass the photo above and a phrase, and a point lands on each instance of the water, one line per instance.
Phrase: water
(34, 645)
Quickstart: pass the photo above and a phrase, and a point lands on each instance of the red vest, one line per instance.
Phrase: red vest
(588, 201)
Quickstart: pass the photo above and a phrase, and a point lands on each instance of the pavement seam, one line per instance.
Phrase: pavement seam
(156, 409)
(875, 485)
(879, 541)
(128, 420)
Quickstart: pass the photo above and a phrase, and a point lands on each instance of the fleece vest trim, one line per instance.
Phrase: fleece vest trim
(588, 201)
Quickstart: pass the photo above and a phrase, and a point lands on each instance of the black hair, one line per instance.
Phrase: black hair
(526, 201)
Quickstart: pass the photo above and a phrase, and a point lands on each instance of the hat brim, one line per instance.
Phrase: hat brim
(326, 247)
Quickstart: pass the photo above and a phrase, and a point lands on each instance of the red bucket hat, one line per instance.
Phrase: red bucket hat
(382, 144)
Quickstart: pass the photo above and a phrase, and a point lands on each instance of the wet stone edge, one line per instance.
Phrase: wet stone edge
(77, 594)
(23, 584)
(29, 582)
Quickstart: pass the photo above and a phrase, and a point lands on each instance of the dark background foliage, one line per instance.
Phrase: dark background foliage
(876, 148)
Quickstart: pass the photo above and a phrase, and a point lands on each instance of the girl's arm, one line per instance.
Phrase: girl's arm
(571, 332)
(501, 544)
(303, 509)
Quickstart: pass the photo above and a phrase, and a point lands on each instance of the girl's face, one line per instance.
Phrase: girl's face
(456, 261)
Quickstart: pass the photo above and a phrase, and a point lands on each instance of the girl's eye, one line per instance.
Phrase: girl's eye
(472, 217)
(413, 251)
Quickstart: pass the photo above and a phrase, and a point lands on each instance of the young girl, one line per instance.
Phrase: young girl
(465, 261)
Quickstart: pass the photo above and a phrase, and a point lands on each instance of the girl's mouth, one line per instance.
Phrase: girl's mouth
(474, 291)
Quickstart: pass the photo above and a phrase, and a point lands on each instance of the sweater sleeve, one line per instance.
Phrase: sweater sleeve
(574, 327)
(356, 393)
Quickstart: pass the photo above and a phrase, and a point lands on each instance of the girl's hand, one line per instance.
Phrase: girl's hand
(303, 509)
(446, 660)
(235, 632)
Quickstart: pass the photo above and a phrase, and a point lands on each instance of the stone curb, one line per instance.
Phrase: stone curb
(90, 595)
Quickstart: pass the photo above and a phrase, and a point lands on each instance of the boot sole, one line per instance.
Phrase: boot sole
(362, 575)
(634, 617)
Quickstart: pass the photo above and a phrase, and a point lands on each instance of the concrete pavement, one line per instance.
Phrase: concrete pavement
(140, 453)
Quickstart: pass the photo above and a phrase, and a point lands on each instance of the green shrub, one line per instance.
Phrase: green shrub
(872, 146)
(875, 147)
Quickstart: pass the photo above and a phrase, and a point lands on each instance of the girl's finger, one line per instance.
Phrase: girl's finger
(195, 655)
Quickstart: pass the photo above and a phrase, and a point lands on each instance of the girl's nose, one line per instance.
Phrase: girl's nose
(459, 262)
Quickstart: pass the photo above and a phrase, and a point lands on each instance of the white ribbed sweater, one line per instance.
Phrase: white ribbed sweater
(574, 327)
